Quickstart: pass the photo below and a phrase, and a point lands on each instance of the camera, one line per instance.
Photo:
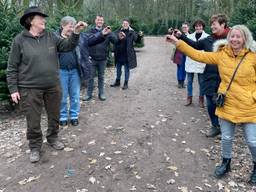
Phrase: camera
(108, 27)
(172, 31)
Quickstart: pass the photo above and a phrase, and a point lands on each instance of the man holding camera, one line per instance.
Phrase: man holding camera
(98, 54)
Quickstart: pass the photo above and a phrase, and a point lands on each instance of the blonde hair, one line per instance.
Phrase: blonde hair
(246, 33)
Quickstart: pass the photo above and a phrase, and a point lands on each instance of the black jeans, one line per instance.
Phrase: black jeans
(211, 107)
(32, 102)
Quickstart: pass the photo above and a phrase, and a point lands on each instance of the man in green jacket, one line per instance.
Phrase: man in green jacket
(33, 77)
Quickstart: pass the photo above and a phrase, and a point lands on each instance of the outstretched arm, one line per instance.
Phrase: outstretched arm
(201, 56)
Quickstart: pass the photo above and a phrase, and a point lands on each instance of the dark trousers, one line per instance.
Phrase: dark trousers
(32, 102)
(119, 71)
(99, 67)
(211, 107)
(181, 73)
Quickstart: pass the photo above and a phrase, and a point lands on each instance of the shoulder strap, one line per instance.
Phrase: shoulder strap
(229, 85)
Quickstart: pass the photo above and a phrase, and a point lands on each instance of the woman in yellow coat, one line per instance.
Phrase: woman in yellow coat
(240, 100)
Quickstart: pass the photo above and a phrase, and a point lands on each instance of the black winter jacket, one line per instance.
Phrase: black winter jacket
(99, 52)
(131, 37)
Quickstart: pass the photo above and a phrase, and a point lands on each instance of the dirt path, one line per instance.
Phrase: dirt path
(142, 139)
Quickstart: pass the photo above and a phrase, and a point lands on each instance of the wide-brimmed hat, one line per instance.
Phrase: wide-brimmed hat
(34, 10)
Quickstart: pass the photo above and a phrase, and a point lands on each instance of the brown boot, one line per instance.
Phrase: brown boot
(189, 101)
(201, 101)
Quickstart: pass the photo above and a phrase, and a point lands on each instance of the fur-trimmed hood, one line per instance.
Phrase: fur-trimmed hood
(220, 44)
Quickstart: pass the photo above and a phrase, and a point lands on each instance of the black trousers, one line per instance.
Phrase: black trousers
(32, 102)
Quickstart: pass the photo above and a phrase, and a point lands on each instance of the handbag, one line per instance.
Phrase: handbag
(219, 98)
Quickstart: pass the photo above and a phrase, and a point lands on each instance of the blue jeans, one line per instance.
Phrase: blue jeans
(211, 107)
(181, 73)
(70, 83)
(98, 66)
(190, 78)
(227, 136)
(119, 71)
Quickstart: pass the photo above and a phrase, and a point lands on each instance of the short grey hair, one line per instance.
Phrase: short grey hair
(246, 33)
(66, 20)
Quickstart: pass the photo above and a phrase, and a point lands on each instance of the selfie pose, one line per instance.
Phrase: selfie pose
(236, 61)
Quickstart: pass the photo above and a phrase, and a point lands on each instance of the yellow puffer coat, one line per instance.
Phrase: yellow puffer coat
(240, 103)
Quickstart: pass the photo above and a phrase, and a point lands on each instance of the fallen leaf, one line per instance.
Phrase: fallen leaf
(113, 143)
(68, 149)
(93, 161)
(207, 185)
(173, 168)
(108, 167)
(199, 188)
(30, 179)
(183, 189)
(92, 142)
(232, 184)
(150, 186)
(171, 181)
(92, 180)
(220, 185)
(102, 154)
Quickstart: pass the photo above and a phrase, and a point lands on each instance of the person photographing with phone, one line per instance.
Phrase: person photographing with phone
(124, 52)
(99, 54)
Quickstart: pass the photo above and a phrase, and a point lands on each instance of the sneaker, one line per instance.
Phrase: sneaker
(102, 97)
(57, 145)
(34, 156)
(63, 123)
(74, 122)
(87, 98)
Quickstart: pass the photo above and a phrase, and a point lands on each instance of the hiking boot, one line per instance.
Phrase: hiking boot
(116, 84)
(183, 84)
(252, 180)
(214, 131)
(125, 85)
(222, 169)
(57, 145)
(201, 101)
(34, 156)
(179, 84)
(102, 97)
(87, 98)
(189, 101)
